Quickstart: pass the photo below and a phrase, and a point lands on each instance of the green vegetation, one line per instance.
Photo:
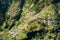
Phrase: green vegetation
(29, 19)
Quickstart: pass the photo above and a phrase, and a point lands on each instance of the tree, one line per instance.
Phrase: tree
(30, 20)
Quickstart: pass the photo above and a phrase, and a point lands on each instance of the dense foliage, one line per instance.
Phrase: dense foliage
(29, 19)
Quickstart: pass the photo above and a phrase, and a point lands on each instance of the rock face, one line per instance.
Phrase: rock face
(30, 20)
